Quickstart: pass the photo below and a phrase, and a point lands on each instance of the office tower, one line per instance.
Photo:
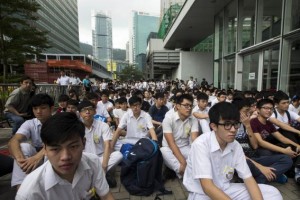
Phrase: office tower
(60, 19)
(142, 25)
(102, 37)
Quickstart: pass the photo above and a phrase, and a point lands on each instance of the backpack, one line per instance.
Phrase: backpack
(141, 171)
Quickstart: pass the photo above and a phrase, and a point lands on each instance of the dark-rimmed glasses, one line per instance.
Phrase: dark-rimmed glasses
(228, 125)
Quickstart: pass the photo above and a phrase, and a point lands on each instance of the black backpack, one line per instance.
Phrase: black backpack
(141, 171)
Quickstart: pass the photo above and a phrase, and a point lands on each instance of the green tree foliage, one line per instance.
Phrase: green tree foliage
(19, 35)
(130, 73)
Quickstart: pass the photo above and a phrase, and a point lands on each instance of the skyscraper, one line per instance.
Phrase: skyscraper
(142, 25)
(60, 19)
(102, 37)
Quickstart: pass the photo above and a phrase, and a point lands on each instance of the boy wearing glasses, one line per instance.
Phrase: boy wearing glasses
(214, 157)
(180, 129)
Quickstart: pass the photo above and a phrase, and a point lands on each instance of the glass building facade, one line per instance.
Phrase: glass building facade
(257, 45)
(102, 37)
(60, 20)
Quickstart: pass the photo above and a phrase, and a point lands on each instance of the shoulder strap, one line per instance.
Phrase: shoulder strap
(275, 112)
(288, 115)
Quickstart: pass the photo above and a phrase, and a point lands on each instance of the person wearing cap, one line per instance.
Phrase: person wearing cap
(98, 136)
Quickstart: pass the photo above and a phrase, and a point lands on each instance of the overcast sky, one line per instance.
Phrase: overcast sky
(120, 12)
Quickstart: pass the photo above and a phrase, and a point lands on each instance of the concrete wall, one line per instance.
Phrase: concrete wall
(196, 64)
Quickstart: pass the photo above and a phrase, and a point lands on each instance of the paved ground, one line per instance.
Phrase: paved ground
(289, 191)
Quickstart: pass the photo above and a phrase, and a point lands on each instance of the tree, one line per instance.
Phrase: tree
(130, 73)
(19, 35)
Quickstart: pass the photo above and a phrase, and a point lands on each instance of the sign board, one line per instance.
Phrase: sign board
(252, 76)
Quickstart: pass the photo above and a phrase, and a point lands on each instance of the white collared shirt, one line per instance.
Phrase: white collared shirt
(137, 128)
(284, 118)
(74, 80)
(95, 137)
(181, 130)
(207, 160)
(44, 183)
(106, 105)
(101, 110)
(63, 80)
(31, 129)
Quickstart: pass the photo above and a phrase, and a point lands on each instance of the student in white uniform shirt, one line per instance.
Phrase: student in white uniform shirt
(215, 156)
(201, 112)
(179, 129)
(105, 102)
(138, 123)
(295, 104)
(29, 156)
(118, 113)
(69, 173)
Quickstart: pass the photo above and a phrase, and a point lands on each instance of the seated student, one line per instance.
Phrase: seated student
(29, 156)
(179, 129)
(201, 112)
(72, 106)
(158, 112)
(221, 96)
(100, 109)
(105, 101)
(263, 168)
(62, 103)
(137, 122)
(98, 136)
(145, 105)
(118, 113)
(282, 119)
(295, 105)
(69, 173)
(215, 156)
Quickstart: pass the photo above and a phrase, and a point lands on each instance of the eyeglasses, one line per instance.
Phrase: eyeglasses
(187, 106)
(268, 108)
(90, 108)
(228, 125)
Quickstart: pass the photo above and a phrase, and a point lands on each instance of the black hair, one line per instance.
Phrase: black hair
(72, 102)
(221, 93)
(105, 93)
(61, 127)
(241, 103)
(159, 95)
(202, 95)
(63, 98)
(188, 97)
(135, 99)
(41, 99)
(84, 104)
(263, 102)
(90, 96)
(25, 77)
(224, 111)
(279, 96)
(122, 100)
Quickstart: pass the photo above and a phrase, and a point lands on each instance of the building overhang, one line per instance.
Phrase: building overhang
(194, 23)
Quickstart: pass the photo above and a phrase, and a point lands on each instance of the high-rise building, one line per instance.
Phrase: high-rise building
(60, 19)
(142, 25)
(166, 4)
(102, 37)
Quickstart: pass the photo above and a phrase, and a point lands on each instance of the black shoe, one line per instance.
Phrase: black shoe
(111, 180)
(168, 174)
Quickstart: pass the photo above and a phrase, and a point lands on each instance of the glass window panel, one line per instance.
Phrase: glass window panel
(231, 14)
(270, 68)
(271, 20)
(294, 76)
(292, 21)
(248, 22)
(218, 36)
(250, 72)
(230, 73)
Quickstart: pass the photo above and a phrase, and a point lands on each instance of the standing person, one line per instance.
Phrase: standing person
(69, 173)
(87, 84)
(204, 83)
(179, 129)
(63, 81)
(190, 83)
(29, 156)
(75, 82)
(216, 155)
(17, 104)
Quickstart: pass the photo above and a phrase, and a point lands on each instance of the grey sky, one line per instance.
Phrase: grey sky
(121, 13)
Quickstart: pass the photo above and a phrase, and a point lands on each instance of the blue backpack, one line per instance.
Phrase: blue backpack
(141, 171)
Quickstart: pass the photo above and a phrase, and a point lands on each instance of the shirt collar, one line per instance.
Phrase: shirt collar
(131, 113)
(178, 118)
(215, 146)
(53, 179)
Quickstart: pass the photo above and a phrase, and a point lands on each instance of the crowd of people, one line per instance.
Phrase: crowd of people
(223, 144)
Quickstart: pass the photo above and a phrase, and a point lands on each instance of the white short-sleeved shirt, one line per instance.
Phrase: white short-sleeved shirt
(181, 130)
(74, 80)
(44, 183)
(107, 105)
(95, 137)
(207, 160)
(137, 128)
(294, 109)
(63, 80)
(118, 113)
(32, 130)
(204, 123)
(101, 110)
(284, 118)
